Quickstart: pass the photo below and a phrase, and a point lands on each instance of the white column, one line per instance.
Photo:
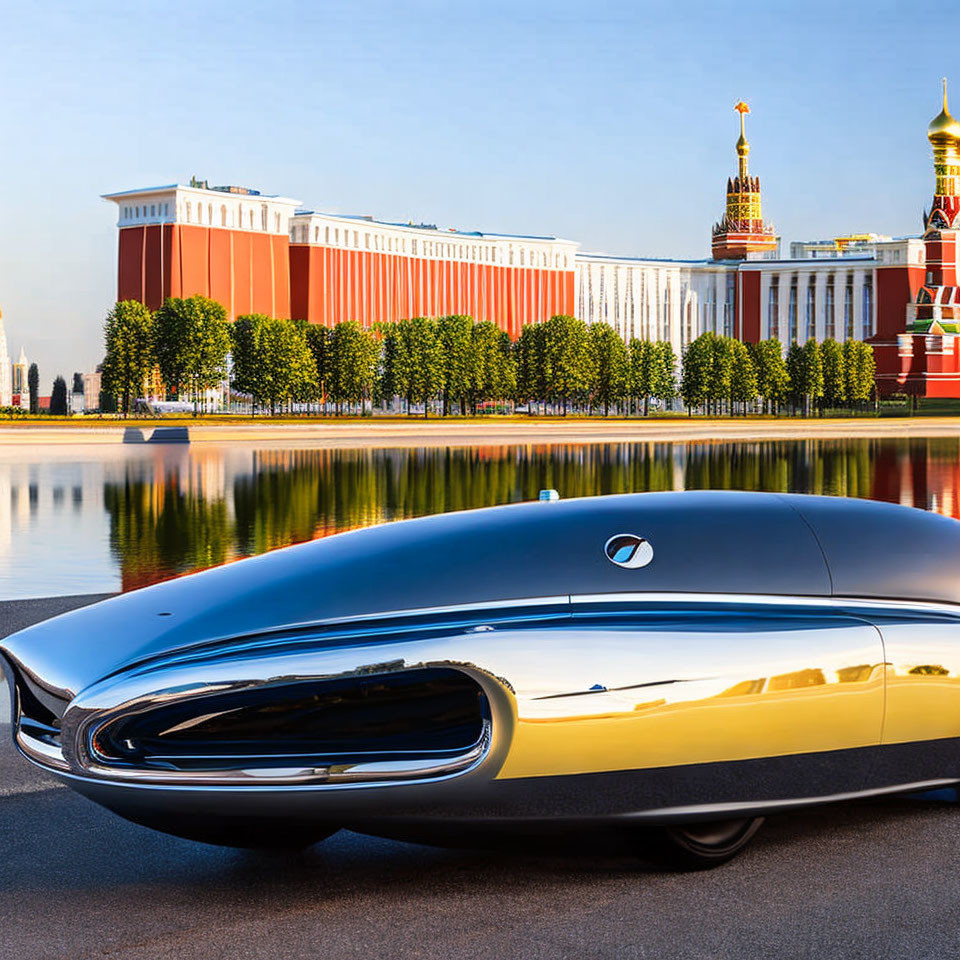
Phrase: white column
(821, 312)
(783, 307)
(858, 277)
(764, 304)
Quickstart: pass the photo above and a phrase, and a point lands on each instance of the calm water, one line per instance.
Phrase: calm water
(81, 520)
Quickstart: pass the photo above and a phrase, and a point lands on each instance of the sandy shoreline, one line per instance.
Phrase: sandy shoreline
(440, 433)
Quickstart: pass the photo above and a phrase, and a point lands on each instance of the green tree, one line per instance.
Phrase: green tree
(77, 382)
(272, 360)
(860, 369)
(33, 385)
(492, 371)
(568, 364)
(697, 369)
(454, 334)
(58, 398)
(129, 338)
(773, 381)
(805, 369)
(413, 361)
(351, 363)
(531, 365)
(609, 362)
(663, 384)
(743, 375)
(318, 340)
(720, 371)
(834, 373)
(639, 371)
(191, 340)
(245, 351)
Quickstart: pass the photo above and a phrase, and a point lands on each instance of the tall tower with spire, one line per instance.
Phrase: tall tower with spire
(944, 135)
(741, 234)
(6, 392)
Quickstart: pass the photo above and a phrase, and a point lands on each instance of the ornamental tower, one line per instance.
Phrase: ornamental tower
(929, 351)
(943, 134)
(936, 309)
(741, 234)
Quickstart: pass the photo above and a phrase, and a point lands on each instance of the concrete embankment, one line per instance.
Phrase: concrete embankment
(480, 432)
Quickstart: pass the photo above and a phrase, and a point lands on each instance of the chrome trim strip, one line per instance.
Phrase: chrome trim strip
(39, 751)
(699, 811)
(766, 599)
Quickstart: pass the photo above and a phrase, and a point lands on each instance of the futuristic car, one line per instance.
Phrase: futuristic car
(684, 661)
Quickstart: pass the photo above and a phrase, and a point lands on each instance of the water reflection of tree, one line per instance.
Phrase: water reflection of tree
(158, 531)
(829, 467)
(176, 521)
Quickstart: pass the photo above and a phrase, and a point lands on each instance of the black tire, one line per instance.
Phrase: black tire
(702, 846)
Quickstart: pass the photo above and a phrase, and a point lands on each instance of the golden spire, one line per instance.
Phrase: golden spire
(943, 130)
(743, 147)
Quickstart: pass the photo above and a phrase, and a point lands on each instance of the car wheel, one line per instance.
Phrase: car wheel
(700, 846)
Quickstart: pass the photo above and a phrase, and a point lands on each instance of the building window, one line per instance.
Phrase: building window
(867, 308)
(773, 308)
(223, 215)
(811, 312)
(830, 320)
(792, 311)
(188, 211)
(848, 308)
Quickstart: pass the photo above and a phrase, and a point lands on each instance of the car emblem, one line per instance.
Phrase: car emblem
(628, 550)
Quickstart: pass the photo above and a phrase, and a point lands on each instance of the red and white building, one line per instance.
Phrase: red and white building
(261, 254)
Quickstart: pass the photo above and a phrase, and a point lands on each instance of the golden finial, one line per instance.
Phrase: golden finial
(743, 148)
(943, 129)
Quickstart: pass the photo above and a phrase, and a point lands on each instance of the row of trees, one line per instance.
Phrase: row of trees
(458, 365)
(722, 373)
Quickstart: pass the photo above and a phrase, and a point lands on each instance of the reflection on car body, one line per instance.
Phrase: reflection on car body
(684, 661)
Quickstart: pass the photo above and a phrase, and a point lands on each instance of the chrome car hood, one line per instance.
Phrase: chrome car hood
(717, 542)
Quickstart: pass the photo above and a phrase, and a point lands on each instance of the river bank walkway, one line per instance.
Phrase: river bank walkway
(397, 432)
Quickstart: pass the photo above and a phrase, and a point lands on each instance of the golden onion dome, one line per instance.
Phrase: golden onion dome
(943, 128)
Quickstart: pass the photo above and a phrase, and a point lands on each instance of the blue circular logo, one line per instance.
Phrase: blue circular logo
(628, 550)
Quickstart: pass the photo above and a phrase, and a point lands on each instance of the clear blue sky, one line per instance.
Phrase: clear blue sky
(610, 123)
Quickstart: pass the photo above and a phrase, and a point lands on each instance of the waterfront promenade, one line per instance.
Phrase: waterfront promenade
(413, 432)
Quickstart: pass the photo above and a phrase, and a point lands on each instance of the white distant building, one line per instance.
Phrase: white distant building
(14, 389)
(20, 385)
(91, 390)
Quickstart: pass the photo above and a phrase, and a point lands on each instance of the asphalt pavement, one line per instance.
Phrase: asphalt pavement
(871, 880)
